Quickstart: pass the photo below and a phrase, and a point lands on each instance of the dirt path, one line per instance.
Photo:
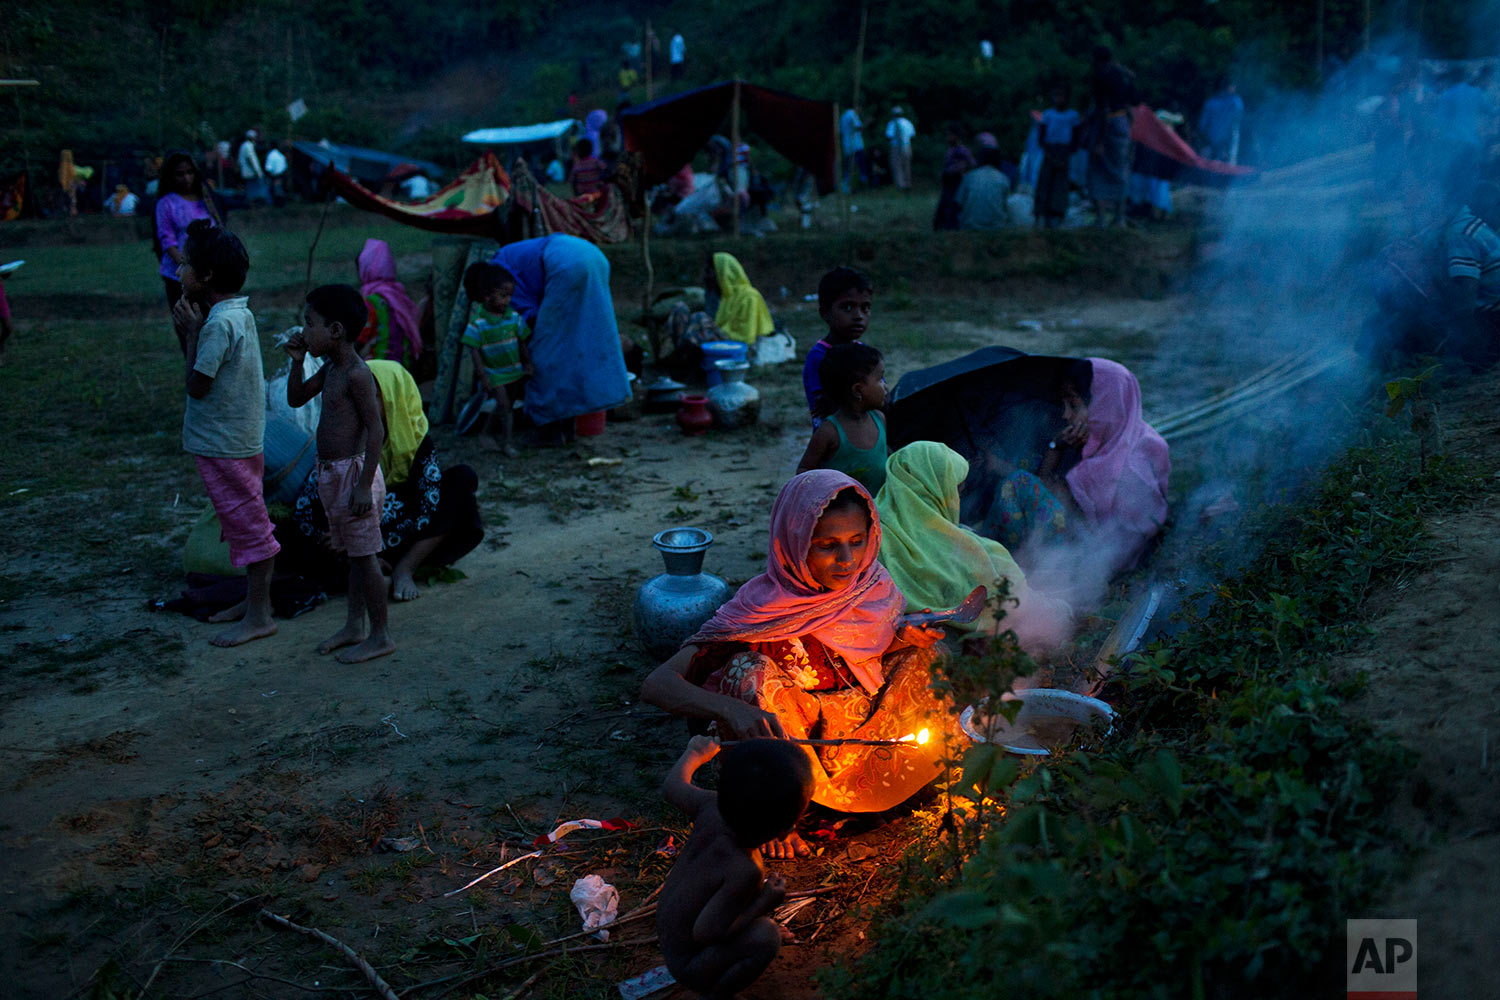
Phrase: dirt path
(1435, 684)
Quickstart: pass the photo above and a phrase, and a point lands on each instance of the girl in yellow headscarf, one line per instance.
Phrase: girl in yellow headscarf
(67, 179)
(431, 516)
(936, 561)
(742, 314)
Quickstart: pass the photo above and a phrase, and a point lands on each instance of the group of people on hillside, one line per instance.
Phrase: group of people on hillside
(1066, 150)
(1437, 285)
(636, 62)
(261, 179)
(252, 165)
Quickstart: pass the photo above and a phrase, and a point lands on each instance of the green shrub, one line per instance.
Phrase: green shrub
(1214, 846)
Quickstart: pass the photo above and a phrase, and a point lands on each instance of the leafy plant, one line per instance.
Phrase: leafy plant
(1216, 844)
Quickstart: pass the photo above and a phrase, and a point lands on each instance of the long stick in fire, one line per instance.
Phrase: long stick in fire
(918, 738)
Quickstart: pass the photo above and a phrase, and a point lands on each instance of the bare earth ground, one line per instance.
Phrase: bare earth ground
(1435, 684)
(148, 772)
(147, 775)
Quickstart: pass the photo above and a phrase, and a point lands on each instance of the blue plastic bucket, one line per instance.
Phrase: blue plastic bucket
(721, 350)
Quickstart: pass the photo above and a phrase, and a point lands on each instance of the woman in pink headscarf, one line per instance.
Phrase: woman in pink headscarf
(1120, 482)
(1103, 477)
(812, 648)
(393, 328)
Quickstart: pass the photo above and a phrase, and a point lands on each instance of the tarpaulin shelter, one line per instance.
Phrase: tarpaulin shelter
(1161, 152)
(600, 217)
(522, 135)
(476, 203)
(368, 167)
(669, 131)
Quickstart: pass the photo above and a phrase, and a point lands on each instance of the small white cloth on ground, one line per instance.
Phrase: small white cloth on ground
(598, 903)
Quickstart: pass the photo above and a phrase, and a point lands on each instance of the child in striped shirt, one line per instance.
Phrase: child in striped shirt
(496, 339)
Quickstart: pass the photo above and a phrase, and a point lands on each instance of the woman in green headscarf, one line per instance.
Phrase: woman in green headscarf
(936, 561)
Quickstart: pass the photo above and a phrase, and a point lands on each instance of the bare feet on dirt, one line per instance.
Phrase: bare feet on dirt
(346, 636)
(233, 614)
(790, 846)
(404, 588)
(375, 645)
(245, 631)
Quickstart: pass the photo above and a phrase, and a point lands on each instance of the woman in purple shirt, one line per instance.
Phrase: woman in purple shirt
(185, 200)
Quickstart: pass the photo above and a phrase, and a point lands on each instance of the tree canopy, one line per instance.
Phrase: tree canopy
(148, 76)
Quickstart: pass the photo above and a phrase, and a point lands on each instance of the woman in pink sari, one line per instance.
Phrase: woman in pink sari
(1120, 482)
(1104, 478)
(393, 328)
(812, 648)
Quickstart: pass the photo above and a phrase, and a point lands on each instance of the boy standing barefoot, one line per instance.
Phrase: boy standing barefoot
(496, 339)
(225, 420)
(714, 916)
(351, 432)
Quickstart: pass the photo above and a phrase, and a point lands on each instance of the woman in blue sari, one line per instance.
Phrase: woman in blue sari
(562, 291)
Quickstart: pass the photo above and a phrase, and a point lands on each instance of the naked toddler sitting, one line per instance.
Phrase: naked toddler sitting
(713, 918)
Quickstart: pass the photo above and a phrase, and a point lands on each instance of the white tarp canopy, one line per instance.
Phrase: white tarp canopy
(521, 134)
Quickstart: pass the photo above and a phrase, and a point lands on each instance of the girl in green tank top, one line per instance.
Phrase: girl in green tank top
(851, 435)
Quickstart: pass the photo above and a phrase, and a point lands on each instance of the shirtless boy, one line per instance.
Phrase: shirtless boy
(713, 919)
(351, 433)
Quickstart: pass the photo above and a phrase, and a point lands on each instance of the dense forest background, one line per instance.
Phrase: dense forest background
(141, 76)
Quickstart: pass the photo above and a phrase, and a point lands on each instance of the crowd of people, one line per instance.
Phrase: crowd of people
(814, 648)
(1438, 286)
(811, 677)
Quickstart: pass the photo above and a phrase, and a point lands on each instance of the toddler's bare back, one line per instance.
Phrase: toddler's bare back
(711, 863)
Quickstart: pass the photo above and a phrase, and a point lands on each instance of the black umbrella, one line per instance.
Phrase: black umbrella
(981, 397)
(996, 401)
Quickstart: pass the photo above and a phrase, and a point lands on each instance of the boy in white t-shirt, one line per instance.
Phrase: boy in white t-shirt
(899, 132)
(224, 425)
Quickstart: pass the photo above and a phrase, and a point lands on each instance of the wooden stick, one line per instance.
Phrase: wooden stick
(526, 984)
(649, 60)
(530, 956)
(194, 928)
(307, 285)
(734, 160)
(380, 985)
(859, 52)
(849, 742)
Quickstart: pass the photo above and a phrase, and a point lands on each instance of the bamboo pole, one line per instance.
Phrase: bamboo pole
(734, 160)
(859, 53)
(1318, 69)
(650, 276)
(840, 175)
(649, 60)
